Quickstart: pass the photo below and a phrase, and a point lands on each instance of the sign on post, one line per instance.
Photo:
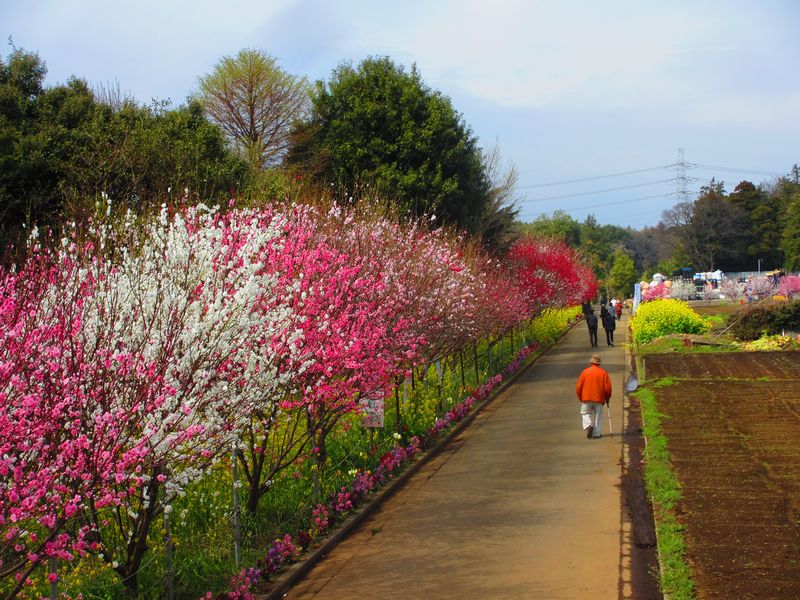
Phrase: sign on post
(372, 409)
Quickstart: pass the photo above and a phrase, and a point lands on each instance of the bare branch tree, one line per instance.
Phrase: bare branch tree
(112, 95)
(496, 225)
(256, 104)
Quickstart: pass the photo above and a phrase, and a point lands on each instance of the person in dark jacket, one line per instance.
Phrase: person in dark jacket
(591, 321)
(609, 324)
(603, 310)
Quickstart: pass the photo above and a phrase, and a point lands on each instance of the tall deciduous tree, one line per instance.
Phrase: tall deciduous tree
(379, 127)
(496, 224)
(256, 103)
(648, 246)
(559, 226)
(709, 229)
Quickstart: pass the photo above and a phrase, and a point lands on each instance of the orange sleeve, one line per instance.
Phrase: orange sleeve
(579, 386)
(607, 386)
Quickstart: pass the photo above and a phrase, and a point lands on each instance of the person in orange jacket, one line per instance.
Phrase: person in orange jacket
(594, 391)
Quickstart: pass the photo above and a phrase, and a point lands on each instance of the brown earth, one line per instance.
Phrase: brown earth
(707, 308)
(743, 365)
(732, 437)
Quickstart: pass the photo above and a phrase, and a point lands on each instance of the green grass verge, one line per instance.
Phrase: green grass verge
(670, 344)
(664, 491)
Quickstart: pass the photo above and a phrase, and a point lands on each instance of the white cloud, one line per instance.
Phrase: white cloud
(759, 112)
(152, 48)
(674, 58)
(536, 54)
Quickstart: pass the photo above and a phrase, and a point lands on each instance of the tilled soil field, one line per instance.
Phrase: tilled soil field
(732, 428)
(737, 365)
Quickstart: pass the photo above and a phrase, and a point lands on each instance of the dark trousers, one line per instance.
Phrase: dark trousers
(610, 336)
(593, 336)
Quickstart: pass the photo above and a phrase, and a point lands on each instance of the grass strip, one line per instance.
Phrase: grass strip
(664, 491)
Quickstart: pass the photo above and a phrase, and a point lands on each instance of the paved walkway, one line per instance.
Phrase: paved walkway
(520, 505)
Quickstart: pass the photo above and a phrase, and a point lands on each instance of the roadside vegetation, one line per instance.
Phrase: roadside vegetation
(667, 326)
(664, 491)
(767, 320)
(665, 316)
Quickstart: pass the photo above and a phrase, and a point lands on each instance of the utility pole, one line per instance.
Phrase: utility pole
(681, 179)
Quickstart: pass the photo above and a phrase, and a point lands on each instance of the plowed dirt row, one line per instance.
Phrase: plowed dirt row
(734, 448)
(740, 365)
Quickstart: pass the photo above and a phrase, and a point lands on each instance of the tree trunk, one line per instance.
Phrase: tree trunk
(397, 406)
(137, 545)
(254, 492)
(477, 374)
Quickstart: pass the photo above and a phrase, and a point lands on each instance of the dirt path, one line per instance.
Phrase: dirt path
(520, 505)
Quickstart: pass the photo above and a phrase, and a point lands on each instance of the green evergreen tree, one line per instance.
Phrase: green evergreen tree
(377, 129)
(623, 275)
(60, 149)
(558, 226)
(791, 235)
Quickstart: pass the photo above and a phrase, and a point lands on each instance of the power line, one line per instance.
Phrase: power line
(616, 189)
(566, 181)
(680, 180)
(734, 170)
(576, 208)
(682, 165)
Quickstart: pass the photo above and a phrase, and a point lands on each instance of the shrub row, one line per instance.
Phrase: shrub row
(772, 319)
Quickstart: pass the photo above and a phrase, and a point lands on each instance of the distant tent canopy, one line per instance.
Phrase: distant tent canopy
(683, 273)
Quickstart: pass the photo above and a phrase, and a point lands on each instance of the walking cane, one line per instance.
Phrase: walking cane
(610, 429)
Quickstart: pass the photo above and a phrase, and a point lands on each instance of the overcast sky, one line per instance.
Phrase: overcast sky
(605, 92)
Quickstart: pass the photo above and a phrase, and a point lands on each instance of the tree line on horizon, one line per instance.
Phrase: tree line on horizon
(753, 227)
(372, 132)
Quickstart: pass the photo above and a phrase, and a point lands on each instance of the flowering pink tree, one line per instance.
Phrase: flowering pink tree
(655, 292)
(335, 300)
(435, 284)
(732, 289)
(43, 459)
(761, 287)
(424, 274)
(789, 286)
(167, 347)
(384, 315)
(550, 274)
